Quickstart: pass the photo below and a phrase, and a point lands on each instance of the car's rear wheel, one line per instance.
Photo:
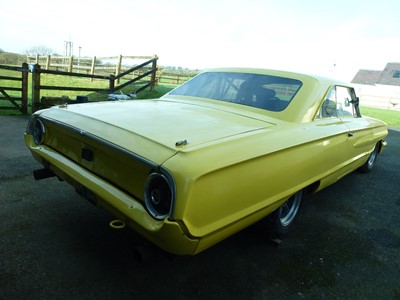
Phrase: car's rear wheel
(280, 220)
(369, 164)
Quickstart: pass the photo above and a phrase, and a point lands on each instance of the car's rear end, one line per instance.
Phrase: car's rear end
(94, 158)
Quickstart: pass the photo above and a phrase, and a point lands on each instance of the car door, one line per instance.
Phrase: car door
(360, 134)
(335, 138)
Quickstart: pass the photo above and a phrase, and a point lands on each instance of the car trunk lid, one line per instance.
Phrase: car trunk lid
(155, 129)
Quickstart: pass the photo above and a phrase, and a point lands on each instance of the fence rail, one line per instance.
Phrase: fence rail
(147, 69)
(385, 102)
(171, 78)
(15, 85)
(89, 65)
(14, 89)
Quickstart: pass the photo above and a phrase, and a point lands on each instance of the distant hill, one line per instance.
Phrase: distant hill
(8, 58)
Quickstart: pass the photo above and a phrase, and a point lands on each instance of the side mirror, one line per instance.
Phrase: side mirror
(356, 102)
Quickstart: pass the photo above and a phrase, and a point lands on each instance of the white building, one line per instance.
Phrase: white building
(379, 88)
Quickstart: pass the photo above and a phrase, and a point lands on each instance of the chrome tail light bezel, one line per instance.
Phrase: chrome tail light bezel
(37, 129)
(159, 195)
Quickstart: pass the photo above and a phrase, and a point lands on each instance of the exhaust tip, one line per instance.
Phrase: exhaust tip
(117, 224)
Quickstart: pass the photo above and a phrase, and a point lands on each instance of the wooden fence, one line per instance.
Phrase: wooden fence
(384, 102)
(14, 89)
(87, 65)
(172, 78)
(143, 74)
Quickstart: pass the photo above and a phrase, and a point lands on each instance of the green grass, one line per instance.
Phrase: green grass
(70, 81)
(52, 80)
(391, 117)
(158, 91)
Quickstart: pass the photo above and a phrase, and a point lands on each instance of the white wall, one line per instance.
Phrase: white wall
(380, 96)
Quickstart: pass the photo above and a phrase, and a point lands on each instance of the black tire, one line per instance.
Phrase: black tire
(281, 220)
(369, 164)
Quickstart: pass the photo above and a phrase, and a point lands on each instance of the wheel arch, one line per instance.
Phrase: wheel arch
(312, 188)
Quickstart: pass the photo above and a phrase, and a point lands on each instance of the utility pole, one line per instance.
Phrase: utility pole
(69, 46)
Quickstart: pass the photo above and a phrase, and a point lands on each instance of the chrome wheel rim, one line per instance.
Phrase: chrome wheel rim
(288, 211)
(372, 157)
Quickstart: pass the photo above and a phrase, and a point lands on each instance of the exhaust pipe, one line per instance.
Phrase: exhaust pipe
(43, 174)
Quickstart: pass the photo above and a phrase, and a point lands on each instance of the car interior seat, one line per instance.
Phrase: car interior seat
(328, 109)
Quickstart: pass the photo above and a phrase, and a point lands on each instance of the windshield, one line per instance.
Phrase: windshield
(261, 91)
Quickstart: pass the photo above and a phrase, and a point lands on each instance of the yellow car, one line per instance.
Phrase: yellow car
(222, 151)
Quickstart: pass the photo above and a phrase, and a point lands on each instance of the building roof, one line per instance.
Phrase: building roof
(389, 76)
(369, 77)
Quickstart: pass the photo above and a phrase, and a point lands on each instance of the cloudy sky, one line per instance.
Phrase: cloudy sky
(334, 38)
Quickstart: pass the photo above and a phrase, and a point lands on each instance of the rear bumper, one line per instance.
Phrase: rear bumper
(166, 234)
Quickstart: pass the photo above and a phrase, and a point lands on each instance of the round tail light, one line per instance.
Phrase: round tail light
(39, 132)
(37, 129)
(158, 196)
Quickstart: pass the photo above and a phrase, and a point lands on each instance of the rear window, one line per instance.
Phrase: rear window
(262, 91)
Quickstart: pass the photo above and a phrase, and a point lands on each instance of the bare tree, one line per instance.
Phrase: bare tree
(39, 50)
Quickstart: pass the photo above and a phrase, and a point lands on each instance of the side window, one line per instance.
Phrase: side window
(339, 102)
(328, 108)
(345, 107)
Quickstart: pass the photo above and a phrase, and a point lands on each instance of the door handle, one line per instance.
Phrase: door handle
(350, 134)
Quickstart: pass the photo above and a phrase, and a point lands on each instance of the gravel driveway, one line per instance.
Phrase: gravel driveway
(56, 245)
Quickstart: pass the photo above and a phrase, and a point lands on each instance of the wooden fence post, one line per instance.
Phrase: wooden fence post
(112, 83)
(118, 67)
(153, 73)
(71, 61)
(92, 68)
(48, 62)
(35, 87)
(24, 86)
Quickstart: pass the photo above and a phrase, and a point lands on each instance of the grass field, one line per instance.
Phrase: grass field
(391, 117)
